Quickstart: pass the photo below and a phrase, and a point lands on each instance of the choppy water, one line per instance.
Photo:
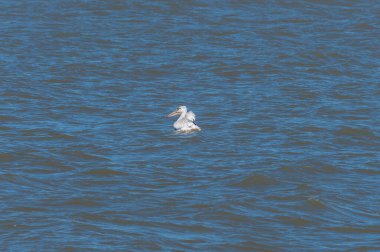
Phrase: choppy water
(286, 92)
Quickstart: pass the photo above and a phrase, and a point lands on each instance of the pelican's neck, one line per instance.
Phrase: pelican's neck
(183, 114)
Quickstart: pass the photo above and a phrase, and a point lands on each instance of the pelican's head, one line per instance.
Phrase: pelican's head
(178, 111)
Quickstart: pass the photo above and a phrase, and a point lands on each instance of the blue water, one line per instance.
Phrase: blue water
(286, 94)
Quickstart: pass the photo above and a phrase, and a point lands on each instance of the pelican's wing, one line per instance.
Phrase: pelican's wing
(190, 116)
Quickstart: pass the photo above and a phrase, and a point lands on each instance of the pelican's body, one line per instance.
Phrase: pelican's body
(186, 120)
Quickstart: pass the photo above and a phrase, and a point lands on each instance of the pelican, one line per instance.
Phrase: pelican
(186, 120)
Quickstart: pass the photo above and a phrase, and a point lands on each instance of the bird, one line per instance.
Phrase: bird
(186, 121)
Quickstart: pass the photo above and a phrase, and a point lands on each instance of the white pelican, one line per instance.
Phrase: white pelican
(186, 120)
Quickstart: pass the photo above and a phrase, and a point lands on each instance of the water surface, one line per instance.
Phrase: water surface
(287, 95)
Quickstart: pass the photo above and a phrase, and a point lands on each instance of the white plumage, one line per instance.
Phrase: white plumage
(186, 120)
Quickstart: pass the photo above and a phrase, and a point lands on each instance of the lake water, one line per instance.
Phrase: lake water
(286, 93)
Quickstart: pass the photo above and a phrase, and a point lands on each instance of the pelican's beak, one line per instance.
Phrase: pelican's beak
(173, 113)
